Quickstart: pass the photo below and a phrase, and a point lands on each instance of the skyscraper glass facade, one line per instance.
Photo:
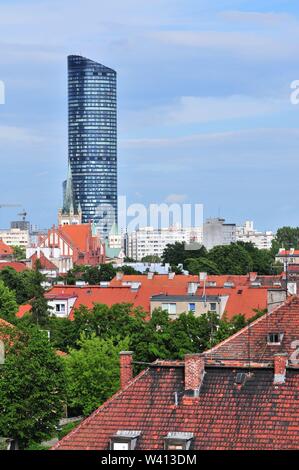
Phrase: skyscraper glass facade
(92, 110)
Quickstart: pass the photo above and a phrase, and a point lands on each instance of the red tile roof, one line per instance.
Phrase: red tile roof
(258, 414)
(78, 234)
(91, 295)
(45, 263)
(17, 266)
(243, 299)
(251, 342)
(5, 250)
(23, 309)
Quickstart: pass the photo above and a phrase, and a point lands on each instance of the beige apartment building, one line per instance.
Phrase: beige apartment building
(175, 305)
(15, 237)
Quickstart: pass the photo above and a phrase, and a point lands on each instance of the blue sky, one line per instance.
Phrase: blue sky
(203, 96)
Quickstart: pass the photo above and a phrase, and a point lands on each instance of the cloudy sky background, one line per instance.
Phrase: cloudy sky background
(203, 97)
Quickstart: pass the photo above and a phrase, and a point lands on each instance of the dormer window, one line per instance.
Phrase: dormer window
(228, 284)
(124, 440)
(178, 441)
(274, 339)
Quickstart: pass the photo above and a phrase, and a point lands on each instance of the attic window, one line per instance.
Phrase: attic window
(228, 284)
(178, 441)
(274, 338)
(211, 284)
(124, 440)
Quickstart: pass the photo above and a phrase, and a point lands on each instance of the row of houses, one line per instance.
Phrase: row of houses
(225, 295)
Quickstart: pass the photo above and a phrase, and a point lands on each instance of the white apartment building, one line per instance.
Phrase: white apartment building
(148, 241)
(247, 233)
(15, 237)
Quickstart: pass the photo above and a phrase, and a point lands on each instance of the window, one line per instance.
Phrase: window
(178, 441)
(274, 338)
(170, 308)
(60, 308)
(191, 307)
(213, 307)
(124, 440)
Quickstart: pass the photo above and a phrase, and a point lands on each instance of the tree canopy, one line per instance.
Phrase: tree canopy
(32, 388)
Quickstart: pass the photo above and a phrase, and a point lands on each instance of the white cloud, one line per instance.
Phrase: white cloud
(200, 109)
(244, 44)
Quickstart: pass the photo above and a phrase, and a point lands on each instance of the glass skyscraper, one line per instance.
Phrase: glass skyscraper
(92, 115)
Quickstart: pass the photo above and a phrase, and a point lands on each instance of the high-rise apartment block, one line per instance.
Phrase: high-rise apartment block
(91, 187)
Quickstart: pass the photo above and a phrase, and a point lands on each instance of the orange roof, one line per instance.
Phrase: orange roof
(23, 309)
(5, 249)
(77, 234)
(45, 263)
(90, 295)
(17, 266)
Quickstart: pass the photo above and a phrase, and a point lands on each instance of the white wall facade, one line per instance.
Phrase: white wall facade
(151, 241)
(261, 240)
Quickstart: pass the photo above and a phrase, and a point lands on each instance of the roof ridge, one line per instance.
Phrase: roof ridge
(287, 302)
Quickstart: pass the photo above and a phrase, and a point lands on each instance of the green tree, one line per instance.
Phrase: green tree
(231, 259)
(8, 304)
(176, 253)
(151, 259)
(93, 372)
(19, 253)
(32, 389)
(198, 265)
(286, 237)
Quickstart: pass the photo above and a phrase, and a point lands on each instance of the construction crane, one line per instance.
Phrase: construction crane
(10, 205)
(23, 215)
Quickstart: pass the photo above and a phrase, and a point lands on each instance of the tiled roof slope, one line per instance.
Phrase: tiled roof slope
(260, 415)
(5, 250)
(16, 265)
(251, 341)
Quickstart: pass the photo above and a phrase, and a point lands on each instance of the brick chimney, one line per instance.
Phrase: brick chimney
(280, 365)
(194, 373)
(126, 367)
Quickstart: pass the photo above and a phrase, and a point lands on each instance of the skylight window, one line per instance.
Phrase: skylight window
(274, 338)
(178, 441)
(124, 440)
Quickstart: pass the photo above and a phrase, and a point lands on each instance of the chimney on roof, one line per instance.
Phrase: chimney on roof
(194, 373)
(126, 367)
(280, 365)
(119, 275)
(252, 276)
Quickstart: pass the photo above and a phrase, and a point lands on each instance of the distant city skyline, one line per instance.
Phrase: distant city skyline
(205, 114)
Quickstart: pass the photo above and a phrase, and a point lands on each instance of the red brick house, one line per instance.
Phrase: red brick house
(222, 399)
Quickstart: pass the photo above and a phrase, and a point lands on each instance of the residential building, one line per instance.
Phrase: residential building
(240, 395)
(92, 111)
(287, 257)
(15, 237)
(148, 241)
(67, 245)
(261, 240)
(217, 232)
(6, 252)
(175, 305)
(229, 295)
